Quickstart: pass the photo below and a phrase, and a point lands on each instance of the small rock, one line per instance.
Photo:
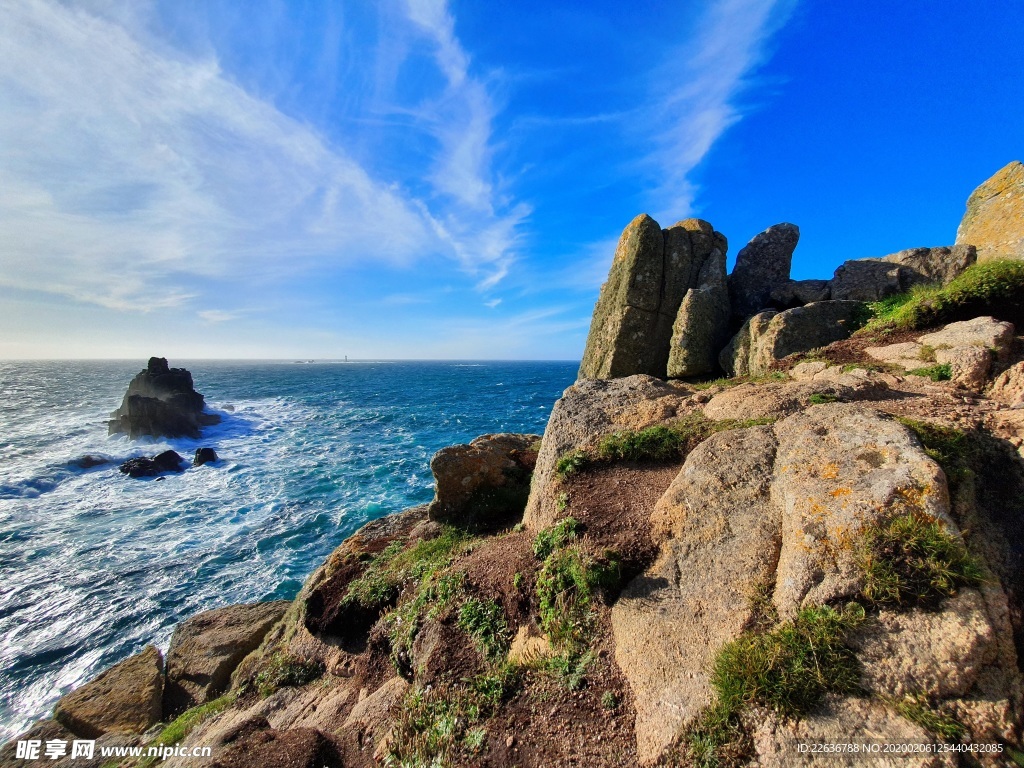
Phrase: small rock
(204, 456)
(89, 461)
(161, 402)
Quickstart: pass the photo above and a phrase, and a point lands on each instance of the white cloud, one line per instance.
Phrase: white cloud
(129, 169)
(695, 94)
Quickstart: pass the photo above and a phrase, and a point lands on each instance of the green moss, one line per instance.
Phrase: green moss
(285, 670)
(940, 372)
(918, 710)
(183, 725)
(912, 559)
(792, 667)
(992, 288)
(484, 621)
(820, 398)
(658, 443)
(555, 537)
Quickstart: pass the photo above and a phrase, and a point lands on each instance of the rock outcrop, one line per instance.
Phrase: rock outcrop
(483, 482)
(207, 648)
(770, 336)
(126, 698)
(587, 410)
(994, 221)
(652, 270)
(161, 402)
(701, 326)
(775, 513)
(761, 266)
(796, 293)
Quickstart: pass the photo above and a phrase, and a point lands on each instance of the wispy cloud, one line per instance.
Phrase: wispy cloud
(695, 94)
(461, 120)
(130, 170)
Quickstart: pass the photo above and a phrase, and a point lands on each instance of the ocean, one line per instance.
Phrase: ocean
(95, 565)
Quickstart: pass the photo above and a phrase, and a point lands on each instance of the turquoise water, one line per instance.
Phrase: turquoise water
(94, 565)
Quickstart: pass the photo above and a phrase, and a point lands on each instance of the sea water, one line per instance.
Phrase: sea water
(95, 565)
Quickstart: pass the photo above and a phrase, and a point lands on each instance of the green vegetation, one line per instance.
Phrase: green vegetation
(562, 502)
(733, 381)
(792, 667)
(567, 585)
(556, 537)
(652, 444)
(992, 288)
(911, 558)
(383, 578)
(284, 671)
(183, 725)
(565, 589)
(947, 445)
(435, 594)
(658, 443)
(713, 740)
(434, 727)
(820, 398)
(941, 372)
(917, 709)
(570, 463)
(609, 700)
(484, 621)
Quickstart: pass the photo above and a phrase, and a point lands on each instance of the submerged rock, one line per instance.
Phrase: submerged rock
(168, 461)
(994, 221)
(161, 402)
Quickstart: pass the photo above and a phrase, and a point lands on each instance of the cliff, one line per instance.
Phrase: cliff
(827, 548)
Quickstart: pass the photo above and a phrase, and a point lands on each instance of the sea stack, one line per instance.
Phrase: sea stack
(161, 402)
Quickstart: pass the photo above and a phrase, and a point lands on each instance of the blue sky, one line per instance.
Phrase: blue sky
(421, 179)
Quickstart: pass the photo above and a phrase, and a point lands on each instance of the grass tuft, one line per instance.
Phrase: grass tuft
(286, 671)
(484, 621)
(992, 288)
(714, 739)
(938, 372)
(435, 724)
(658, 443)
(555, 537)
(791, 668)
(918, 710)
(820, 398)
(912, 559)
(381, 582)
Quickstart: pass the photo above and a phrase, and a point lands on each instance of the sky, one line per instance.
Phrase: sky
(430, 179)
